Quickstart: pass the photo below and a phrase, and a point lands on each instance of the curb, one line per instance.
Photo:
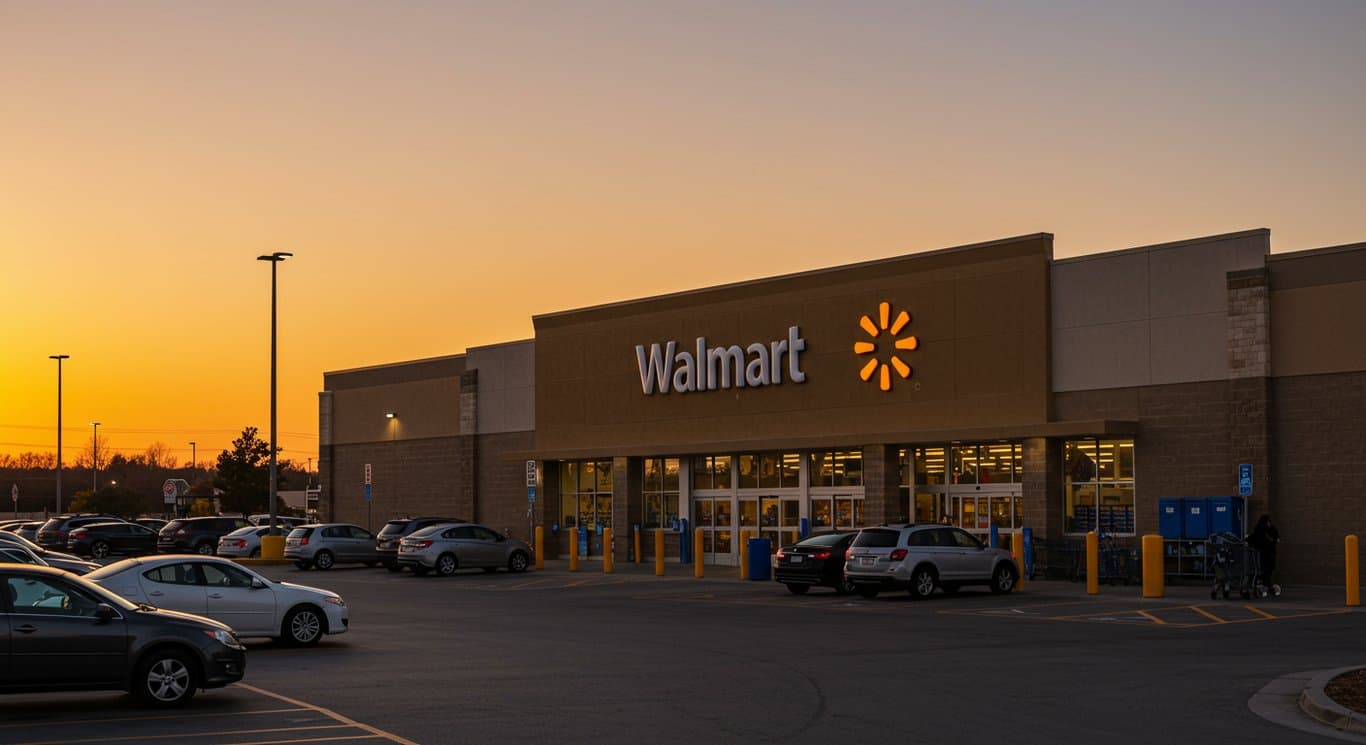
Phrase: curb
(1314, 701)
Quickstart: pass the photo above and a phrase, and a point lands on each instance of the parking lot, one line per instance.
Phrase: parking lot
(558, 657)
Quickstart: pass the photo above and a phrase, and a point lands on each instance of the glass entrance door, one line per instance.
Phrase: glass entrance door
(978, 512)
(715, 517)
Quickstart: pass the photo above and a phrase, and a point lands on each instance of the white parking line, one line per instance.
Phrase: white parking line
(178, 717)
(326, 712)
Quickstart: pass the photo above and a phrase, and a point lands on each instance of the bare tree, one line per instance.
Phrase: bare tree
(84, 459)
(158, 455)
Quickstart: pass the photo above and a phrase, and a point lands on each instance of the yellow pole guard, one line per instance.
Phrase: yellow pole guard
(1154, 584)
(1353, 571)
(574, 550)
(1092, 563)
(273, 546)
(744, 554)
(636, 535)
(659, 552)
(697, 553)
(607, 550)
(1017, 553)
(540, 547)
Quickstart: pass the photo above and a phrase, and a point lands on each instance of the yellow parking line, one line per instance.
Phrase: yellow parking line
(373, 730)
(1207, 614)
(193, 734)
(1260, 612)
(224, 715)
(1151, 617)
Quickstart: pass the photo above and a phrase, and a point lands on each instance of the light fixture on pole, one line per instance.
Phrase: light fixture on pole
(59, 358)
(95, 458)
(274, 260)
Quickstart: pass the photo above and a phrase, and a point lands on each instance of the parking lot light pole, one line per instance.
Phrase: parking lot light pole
(59, 358)
(95, 458)
(274, 260)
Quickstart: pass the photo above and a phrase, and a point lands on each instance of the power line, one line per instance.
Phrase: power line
(141, 431)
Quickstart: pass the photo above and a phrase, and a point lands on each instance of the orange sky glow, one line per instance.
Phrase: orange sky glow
(443, 171)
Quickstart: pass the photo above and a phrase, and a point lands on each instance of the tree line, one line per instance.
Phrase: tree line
(131, 485)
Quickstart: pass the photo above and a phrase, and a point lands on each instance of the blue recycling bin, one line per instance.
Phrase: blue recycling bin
(760, 566)
(1194, 519)
(1226, 515)
(1169, 517)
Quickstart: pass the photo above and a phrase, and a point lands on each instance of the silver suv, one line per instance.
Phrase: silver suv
(324, 546)
(923, 557)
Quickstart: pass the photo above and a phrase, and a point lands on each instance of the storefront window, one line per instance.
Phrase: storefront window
(586, 494)
(1098, 486)
(837, 468)
(659, 493)
(929, 466)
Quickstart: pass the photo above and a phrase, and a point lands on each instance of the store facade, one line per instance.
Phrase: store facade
(985, 385)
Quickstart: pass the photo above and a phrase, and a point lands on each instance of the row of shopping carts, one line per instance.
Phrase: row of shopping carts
(1231, 564)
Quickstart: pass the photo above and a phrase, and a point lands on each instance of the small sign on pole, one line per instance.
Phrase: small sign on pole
(367, 475)
(14, 495)
(531, 473)
(531, 494)
(367, 492)
(1244, 479)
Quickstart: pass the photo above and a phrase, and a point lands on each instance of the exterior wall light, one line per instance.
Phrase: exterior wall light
(390, 415)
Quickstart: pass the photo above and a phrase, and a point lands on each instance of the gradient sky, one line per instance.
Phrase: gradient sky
(445, 170)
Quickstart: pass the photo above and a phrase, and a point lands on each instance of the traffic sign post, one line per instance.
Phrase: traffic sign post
(368, 473)
(531, 473)
(1244, 479)
(14, 495)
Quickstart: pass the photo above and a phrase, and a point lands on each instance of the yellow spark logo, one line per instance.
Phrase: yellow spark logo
(874, 330)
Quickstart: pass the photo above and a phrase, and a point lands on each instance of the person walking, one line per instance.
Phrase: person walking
(1264, 539)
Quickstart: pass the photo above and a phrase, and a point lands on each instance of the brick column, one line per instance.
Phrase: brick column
(881, 497)
(467, 467)
(1249, 372)
(327, 494)
(548, 508)
(1042, 487)
(627, 479)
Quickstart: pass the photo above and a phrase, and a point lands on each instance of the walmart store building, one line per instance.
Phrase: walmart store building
(985, 385)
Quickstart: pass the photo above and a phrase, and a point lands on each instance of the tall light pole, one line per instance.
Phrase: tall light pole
(95, 459)
(59, 358)
(192, 457)
(274, 260)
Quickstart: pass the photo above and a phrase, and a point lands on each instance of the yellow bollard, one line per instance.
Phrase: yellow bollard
(273, 546)
(697, 553)
(635, 533)
(607, 550)
(540, 547)
(1017, 553)
(659, 553)
(745, 554)
(1154, 583)
(1353, 571)
(1092, 563)
(573, 551)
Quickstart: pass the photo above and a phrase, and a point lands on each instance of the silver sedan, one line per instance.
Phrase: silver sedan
(447, 548)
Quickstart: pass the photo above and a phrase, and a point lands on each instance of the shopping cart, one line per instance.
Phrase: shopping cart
(1237, 567)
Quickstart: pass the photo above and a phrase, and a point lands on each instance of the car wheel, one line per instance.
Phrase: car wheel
(923, 582)
(446, 564)
(868, 591)
(301, 564)
(395, 568)
(324, 560)
(205, 549)
(518, 562)
(844, 587)
(797, 589)
(420, 570)
(303, 626)
(165, 678)
(99, 550)
(1003, 579)
(255, 553)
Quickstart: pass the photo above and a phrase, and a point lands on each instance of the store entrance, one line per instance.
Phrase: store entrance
(977, 512)
(715, 517)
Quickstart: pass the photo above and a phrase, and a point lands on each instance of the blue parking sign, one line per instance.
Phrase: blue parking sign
(1244, 479)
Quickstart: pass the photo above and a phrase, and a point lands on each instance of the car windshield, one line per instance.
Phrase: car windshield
(827, 539)
(876, 538)
(244, 531)
(430, 530)
(53, 524)
(300, 532)
(394, 527)
(105, 596)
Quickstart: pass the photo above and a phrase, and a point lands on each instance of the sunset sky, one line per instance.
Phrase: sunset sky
(444, 170)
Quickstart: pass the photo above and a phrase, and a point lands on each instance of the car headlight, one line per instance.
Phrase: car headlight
(226, 638)
(335, 601)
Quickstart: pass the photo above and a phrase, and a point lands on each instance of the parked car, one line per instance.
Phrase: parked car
(228, 593)
(386, 543)
(446, 548)
(155, 524)
(13, 553)
(923, 557)
(198, 535)
(56, 559)
(55, 531)
(243, 542)
(816, 560)
(288, 523)
(29, 530)
(7, 524)
(324, 546)
(100, 540)
(74, 635)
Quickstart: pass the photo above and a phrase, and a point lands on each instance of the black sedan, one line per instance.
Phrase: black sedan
(105, 539)
(67, 634)
(817, 560)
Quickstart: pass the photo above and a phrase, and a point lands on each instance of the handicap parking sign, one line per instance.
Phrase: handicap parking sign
(1244, 479)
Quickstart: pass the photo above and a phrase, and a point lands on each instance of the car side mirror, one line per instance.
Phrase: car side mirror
(105, 612)
(257, 584)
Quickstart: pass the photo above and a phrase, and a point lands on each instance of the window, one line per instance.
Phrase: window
(659, 494)
(173, 574)
(586, 493)
(222, 575)
(48, 597)
(16, 556)
(1098, 486)
(836, 468)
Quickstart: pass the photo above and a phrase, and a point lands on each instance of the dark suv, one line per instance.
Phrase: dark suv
(57, 530)
(196, 534)
(386, 542)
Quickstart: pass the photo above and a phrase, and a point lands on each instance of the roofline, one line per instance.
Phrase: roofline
(402, 363)
(1307, 252)
(1171, 244)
